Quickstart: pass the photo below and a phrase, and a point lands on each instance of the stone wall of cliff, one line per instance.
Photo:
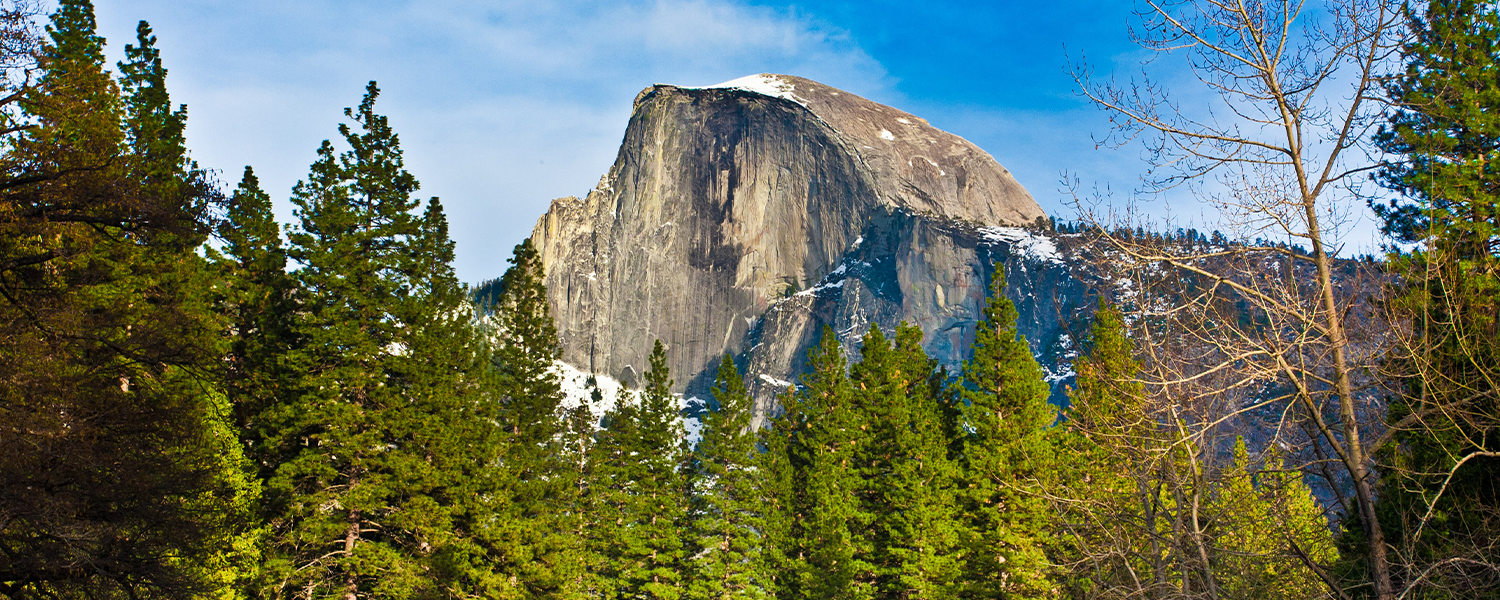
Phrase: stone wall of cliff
(743, 218)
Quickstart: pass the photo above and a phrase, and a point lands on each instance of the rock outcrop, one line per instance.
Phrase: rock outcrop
(744, 217)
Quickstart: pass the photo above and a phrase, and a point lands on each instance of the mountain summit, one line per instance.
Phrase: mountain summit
(745, 216)
(915, 166)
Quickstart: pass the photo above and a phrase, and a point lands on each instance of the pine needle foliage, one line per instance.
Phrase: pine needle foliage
(642, 492)
(727, 517)
(531, 531)
(389, 431)
(121, 476)
(1259, 514)
(1441, 473)
(1110, 438)
(255, 298)
(824, 552)
(1007, 455)
(908, 482)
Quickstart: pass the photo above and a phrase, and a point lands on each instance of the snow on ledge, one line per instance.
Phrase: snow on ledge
(1037, 247)
(577, 392)
(774, 381)
(827, 286)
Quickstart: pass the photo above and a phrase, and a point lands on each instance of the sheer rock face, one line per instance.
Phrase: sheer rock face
(744, 217)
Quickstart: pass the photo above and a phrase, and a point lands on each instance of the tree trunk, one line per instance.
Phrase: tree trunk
(351, 537)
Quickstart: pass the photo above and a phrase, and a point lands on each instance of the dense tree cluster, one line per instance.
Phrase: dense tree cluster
(201, 402)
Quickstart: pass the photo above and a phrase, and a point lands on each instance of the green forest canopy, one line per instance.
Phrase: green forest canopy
(202, 402)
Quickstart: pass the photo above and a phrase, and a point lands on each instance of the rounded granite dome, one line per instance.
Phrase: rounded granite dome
(919, 167)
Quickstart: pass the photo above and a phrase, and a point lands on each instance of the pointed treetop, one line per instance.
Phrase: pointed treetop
(377, 151)
(658, 377)
(250, 228)
(73, 32)
(1106, 393)
(152, 127)
(1003, 377)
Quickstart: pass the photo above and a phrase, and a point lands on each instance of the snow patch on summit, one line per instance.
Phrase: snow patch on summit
(764, 84)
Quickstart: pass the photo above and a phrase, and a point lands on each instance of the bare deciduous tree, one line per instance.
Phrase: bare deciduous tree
(1277, 333)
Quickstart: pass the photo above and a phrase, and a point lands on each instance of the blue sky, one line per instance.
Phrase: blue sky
(503, 105)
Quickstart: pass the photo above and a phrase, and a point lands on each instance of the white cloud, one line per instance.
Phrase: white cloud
(500, 104)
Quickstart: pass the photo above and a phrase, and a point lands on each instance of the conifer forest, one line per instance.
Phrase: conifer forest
(197, 401)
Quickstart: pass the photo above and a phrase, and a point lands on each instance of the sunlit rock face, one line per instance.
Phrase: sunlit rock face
(746, 217)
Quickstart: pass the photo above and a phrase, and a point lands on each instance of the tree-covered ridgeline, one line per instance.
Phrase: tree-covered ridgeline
(200, 401)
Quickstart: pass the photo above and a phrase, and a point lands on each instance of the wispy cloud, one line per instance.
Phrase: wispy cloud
(501, 105)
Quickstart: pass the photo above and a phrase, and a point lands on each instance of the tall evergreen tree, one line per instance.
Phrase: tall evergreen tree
(1109, 441)
(589, 529)
(532, 532)
(641, 495)
(154, 130)
(121, 475)
(1441, 473)
(388, 437)
(255, 298)
(727, 518)
(782, 486)
(1143, 514)
(1129, 528)
(656, 543)
(611, 470)
(1007, 456)
(822, 552)
(908, 480)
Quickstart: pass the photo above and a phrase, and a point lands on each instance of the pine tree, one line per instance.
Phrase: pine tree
(1007, 454)
(641, 492)
(1104, 422)
(154, 130)
(727, 517)
(580, 447)
(819, 548)
(389, 435)
(1443, 131)
(1106, 397)
(124, 478)
(1113, 483)
(908, 480)
(1303, 524)
(1446, 137)
(255, 299)
(782, 487)
(1141, 512)
(611, 470)
(532, 533)
(656, 543)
